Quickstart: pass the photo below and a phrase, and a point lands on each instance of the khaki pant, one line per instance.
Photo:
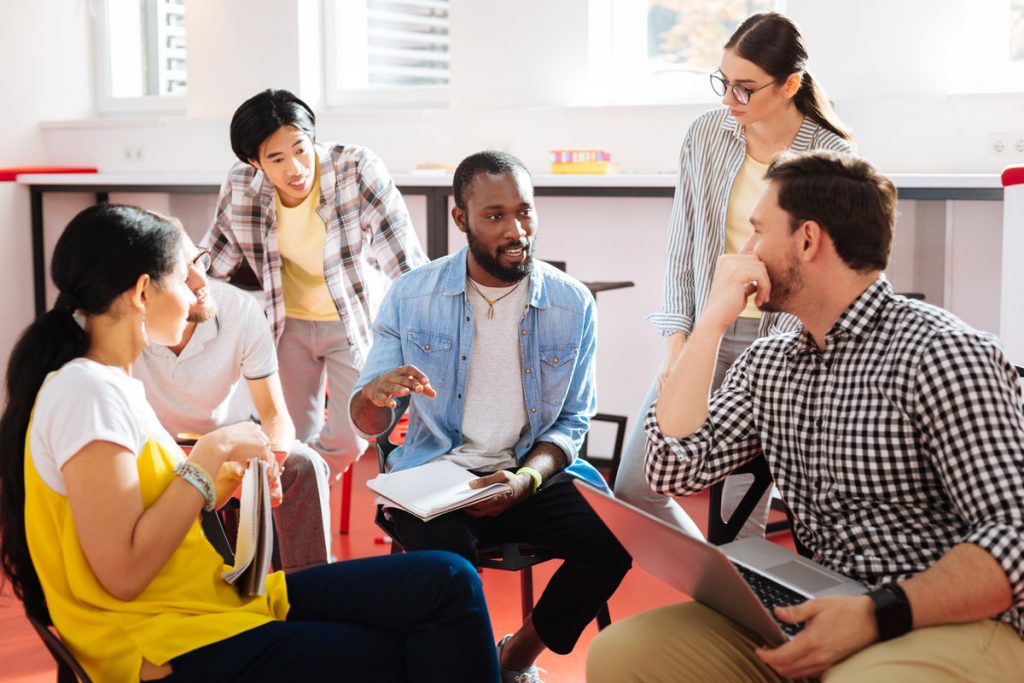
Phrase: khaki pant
(689, 642)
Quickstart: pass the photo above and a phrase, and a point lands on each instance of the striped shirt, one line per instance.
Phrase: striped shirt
(902, 439)
(368, 229)
(712, 154)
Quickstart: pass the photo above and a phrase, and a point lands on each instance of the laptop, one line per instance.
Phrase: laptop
(743, 580)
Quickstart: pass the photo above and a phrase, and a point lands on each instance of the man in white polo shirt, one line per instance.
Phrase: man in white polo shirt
(198, 385)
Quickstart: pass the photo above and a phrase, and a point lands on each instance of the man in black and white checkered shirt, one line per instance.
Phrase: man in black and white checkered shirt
(894, 431)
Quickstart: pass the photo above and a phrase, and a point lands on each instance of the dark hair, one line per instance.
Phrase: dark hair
(261, 115)
(100, 255)
(846, 196)
(488, 161)
(773, 42)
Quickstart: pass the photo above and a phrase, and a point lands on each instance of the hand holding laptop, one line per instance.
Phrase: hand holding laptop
(835, 627)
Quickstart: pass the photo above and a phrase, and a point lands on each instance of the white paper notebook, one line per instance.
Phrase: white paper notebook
(431, 490)
(255, 543)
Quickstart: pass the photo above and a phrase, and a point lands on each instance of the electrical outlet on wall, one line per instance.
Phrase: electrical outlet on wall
(133, 153)
(1006, 145)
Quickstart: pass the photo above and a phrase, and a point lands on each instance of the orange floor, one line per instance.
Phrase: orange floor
(24, 660)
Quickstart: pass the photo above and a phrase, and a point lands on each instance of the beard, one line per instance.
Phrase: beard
(785, 283)
(493, 266)
(200, 314)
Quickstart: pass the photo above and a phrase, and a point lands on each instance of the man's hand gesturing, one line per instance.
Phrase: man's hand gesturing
(399, 382)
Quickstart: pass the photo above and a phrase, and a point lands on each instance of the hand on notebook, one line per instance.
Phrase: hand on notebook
(399, 382)
(226, 452)
(837, 627)
(521, 485)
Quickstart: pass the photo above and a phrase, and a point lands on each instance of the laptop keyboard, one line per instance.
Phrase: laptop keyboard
(772, 594)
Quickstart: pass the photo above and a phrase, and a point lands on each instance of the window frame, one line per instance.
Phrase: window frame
(337, 97)
(106, 101)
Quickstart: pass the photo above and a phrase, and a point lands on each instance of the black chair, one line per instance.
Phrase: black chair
(68, 668)
(721, 530)
(514, 556)
(609, 467)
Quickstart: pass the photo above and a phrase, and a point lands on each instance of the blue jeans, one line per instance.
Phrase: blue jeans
(413, 617)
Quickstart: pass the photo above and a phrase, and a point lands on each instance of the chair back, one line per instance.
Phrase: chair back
(68, 668)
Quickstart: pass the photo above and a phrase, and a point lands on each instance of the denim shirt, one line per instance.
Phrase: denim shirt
(426, 321)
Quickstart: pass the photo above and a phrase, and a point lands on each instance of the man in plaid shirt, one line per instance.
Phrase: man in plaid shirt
(323, 227)
(894, 433)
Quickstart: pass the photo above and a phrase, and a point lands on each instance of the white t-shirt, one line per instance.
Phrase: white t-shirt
(494, 411)
(204, 387)
(86, 401)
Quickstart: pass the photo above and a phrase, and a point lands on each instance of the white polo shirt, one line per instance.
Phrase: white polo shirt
(204, 387)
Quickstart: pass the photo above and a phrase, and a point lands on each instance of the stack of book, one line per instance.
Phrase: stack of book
(582, 161)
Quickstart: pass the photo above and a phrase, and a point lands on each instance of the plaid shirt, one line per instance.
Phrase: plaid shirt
(903, 438)
(368, 228)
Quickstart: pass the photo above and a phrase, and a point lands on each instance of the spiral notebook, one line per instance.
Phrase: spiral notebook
(255, 544)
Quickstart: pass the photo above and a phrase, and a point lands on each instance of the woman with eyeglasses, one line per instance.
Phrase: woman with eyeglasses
(99, 507)
(772, 104)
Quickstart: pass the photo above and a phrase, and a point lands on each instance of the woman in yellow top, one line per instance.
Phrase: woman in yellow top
(99, 506)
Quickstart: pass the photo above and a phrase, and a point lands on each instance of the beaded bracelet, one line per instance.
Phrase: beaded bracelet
(198, 477)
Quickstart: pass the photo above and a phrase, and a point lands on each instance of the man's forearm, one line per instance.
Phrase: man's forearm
(546, 458)
(280, 430)
(966, 584)
(369, 418)
(683, 403)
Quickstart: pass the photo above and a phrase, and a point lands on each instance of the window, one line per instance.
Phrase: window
(1017, 30)
(663, 50)
(140, 55)
(390, 52)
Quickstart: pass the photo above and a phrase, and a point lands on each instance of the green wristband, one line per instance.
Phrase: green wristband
(534, 474)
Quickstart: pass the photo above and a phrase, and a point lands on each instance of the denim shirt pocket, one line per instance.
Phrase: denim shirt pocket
(430, 352)
(556, 366)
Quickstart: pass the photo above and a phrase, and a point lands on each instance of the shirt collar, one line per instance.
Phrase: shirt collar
(204, 334)
(455, 282)
(857, 321)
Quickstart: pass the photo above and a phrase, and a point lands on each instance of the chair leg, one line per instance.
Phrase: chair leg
(604, 617)
(346, 500)
(526, 592)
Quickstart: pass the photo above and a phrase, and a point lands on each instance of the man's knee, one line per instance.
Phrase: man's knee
(449, 532)
(303, 463)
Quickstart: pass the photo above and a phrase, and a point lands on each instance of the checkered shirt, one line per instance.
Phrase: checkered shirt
(368, 228)
(903, 438)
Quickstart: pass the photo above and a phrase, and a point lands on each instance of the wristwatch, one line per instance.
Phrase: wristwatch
(892, 611)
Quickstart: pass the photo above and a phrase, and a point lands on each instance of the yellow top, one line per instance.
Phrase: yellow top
(746, 189)
(186, 606)
(301, 234)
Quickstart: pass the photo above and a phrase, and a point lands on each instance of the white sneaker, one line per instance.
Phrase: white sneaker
(530, 674)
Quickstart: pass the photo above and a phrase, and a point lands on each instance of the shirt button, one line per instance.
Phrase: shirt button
(463, 358)
(426, 347)
(460, 395)
(554, 361)
(533, 410)
(528, 371)
(526, 331)
(467, 318)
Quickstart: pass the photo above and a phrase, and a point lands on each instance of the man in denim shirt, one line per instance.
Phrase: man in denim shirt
(493, 354)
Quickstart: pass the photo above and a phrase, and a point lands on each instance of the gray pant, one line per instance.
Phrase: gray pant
(631, 483)
(303, 519)
(312, 356)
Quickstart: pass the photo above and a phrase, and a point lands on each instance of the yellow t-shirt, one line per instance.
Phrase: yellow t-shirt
(301, 234)
(187, 604)
(746, 189)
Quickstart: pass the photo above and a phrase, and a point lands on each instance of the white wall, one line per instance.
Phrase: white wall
(46, 53)
(518, 70)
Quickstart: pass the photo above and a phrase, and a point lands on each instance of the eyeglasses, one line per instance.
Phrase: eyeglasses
(741, 92)
(201, 261)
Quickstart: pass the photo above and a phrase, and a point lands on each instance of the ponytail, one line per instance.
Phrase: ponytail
(50, 341)
(810, 99)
